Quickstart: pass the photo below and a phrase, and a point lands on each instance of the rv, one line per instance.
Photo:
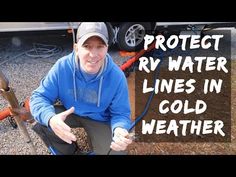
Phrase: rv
(128, 36)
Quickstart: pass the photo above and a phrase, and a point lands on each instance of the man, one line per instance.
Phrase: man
(94, 94)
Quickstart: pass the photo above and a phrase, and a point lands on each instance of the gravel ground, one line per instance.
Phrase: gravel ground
(24, 74)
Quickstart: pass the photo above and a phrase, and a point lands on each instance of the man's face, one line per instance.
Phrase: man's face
(92, 54)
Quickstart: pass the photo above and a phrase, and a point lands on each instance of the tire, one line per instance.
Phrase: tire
(130, 36)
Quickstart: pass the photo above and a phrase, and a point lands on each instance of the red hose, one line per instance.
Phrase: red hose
(4, 113)
(129, 62)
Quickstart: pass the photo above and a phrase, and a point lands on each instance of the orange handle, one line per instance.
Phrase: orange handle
(4, 113)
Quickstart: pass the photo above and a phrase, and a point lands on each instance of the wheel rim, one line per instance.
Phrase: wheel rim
(134, 35)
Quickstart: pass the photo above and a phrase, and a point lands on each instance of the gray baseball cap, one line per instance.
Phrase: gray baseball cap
(89, 29)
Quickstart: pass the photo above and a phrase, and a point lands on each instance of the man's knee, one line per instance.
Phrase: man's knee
(56, 145)
(43, 133)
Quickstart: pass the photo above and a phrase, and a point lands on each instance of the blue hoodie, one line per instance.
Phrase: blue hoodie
(104, 98)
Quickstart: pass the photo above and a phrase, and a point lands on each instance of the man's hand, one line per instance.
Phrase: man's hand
(121, 139)
(59, 127)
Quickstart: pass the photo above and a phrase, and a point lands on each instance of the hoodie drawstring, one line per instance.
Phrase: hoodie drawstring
(99, 91)
(74, 79)
(74, 84)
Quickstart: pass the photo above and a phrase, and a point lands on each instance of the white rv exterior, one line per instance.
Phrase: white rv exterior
(36, 26)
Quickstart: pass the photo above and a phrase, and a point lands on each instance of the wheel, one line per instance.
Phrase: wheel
(130, 36)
